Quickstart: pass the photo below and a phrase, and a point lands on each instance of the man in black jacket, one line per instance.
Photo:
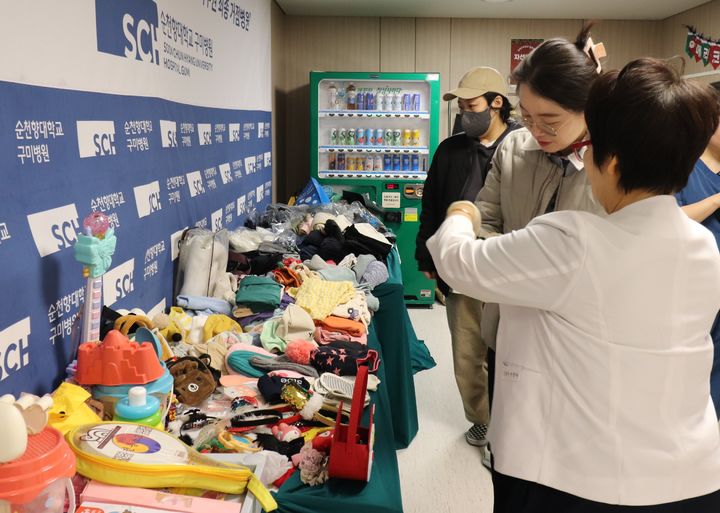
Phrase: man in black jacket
(458, 171)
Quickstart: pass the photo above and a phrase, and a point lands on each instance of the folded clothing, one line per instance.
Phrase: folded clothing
(259, 293)
(319, 297)
(334, 323)
(342, 340)
(337, 273)
(202, 304)
(341, 362)
(356, 309)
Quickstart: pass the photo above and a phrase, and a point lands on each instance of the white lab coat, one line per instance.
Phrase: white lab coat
(604, 354)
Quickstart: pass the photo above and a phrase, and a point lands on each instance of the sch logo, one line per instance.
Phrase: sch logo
(128, 29)
(14, 348)
(55, 229)
(147, 198)
(96, 138)
(118, 282)
(168, 133)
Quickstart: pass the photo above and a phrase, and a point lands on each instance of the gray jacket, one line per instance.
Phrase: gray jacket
(520, 186)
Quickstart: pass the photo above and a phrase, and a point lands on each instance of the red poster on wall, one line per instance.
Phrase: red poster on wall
(521, 48)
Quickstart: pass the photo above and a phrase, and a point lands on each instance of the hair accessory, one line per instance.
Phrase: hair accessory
(253, 418)
(595, 52)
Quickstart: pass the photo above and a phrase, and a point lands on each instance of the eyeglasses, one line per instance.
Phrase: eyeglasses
(528, 123)
(579, 148)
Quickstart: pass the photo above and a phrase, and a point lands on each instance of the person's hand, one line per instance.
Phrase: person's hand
(430, 275)
(469, 210)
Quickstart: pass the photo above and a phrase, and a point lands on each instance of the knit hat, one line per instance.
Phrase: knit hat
(280, 363)
(342, 362)
(271, 386)
(295, 323)
(269, 338)
(375, 274)
(238, 359)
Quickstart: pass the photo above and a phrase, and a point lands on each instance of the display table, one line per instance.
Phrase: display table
(391, 334)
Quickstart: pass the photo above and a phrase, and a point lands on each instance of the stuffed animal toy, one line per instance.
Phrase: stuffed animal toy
(193, 378)
(313, 465)
(300, 351)
(323, 441)
(127, 324)
(168, 329)
(285, 432)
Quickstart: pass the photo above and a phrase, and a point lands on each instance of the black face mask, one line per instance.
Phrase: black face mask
(476, 124)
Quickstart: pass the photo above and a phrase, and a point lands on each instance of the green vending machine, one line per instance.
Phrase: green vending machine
(374, 134)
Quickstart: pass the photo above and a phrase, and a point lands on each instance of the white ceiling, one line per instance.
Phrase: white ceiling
(552, 9)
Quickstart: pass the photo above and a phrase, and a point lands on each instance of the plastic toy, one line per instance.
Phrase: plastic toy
(33, 409)
(140, 408)
(117, 361)
(285, 432)
(94, 250)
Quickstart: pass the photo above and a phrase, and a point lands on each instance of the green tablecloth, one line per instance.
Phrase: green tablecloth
(382, 493)
(396, 424)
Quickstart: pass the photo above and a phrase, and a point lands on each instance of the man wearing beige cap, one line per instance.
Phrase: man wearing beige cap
(458, 171)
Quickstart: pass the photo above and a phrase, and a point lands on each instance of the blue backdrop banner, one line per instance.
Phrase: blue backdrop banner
(158, 148)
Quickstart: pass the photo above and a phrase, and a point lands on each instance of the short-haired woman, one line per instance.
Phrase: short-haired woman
(602, 400)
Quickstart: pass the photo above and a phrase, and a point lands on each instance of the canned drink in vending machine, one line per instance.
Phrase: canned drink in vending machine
(407, 102)
(416, 102)
(360, 101)
(360, 135)
(415, 162)
(380, 101)
(397, 137)
(351, 165)
(370, 100)
(350, 141)
(378, 163)
(387, 162)
(396, 162)
(379, 139)
(406, 137)
(333, 137)
(369, 163)
(406, 162)
(415, 138)
(370, 136)
(340, 163)
(332, 161)
(360, 163)
(389, 137)
(342, 137)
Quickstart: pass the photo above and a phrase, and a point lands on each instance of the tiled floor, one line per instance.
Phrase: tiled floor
(440, 472)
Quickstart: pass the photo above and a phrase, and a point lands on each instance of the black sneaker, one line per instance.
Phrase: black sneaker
(476, 435)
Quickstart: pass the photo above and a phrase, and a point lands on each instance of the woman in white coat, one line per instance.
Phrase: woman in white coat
(602, 399)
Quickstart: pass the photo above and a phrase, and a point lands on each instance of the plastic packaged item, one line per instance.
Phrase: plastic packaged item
(124, 454)
(38, 481)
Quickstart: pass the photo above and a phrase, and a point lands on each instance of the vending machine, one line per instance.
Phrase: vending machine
(374, 135)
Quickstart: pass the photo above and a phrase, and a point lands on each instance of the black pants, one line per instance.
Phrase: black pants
(513, 495)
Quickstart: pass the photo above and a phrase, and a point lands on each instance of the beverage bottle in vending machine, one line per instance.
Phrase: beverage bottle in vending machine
(415, 138)
(351, 164)
(351, 97)
(332, 161)
(406, 162)
(396, 102)
(340, 162)
(380, 101)
(407, 102)
(370, 136)
(342, 137)
(360, 163)
(333, 137)
(387, 162)
(370, 100)
(351, 141)
(389, 137)
(378, 163)
(360, 136)
(396, 162)
(397, 137)
(406, 137)
(416, 102)
(369, 163)
(379, 137)
(332, 96)
(415, 162)
(360, 100)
